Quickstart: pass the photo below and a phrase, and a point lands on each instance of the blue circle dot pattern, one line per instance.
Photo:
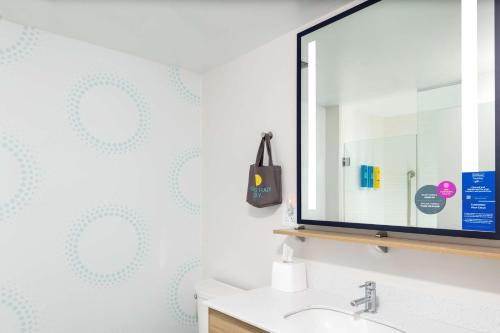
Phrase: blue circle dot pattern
(174, 181)
(180, 87)
(22, 47)
(21, 307)
(92, 216)
(92, 81)
(29, 177)
(174, 306)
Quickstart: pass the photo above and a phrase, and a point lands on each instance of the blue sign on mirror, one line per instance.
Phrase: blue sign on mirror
(478, 201)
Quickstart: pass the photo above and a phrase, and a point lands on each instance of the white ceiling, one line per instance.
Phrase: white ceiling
(194, 34)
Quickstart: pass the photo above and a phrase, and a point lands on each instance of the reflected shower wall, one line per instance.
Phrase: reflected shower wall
(439, 128)
(389, 203)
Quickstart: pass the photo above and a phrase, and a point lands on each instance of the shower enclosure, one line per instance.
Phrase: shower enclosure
(391, 202)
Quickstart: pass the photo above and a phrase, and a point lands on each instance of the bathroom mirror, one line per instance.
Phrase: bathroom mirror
(396, 118)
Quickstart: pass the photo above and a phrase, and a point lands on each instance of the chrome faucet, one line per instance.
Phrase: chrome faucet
(370, 299)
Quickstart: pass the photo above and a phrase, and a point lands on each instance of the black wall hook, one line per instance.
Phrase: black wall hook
(263, 134)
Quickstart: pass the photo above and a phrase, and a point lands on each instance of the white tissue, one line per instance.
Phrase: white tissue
(289, 276)
(287, 254)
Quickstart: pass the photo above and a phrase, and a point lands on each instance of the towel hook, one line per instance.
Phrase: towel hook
(263, 134)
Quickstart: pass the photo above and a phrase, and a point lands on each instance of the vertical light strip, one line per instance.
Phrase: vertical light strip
(470, 121)
(311, 120)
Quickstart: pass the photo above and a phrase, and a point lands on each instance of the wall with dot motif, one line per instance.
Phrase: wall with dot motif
(99, 188)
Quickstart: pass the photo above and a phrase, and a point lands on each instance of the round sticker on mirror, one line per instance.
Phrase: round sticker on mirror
(446, 189)
(428, 201)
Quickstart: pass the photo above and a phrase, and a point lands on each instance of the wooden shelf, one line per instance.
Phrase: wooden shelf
(401, 243)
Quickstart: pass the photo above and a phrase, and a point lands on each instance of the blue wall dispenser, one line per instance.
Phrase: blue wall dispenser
(364, 176)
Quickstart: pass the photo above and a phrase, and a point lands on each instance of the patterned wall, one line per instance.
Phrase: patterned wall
(99, 188)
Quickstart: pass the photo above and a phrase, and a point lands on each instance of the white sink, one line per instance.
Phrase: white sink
(329, 320)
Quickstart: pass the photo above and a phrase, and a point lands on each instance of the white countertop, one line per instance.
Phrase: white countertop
(264, 308)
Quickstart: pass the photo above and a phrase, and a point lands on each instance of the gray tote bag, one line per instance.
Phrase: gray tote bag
(264, 182)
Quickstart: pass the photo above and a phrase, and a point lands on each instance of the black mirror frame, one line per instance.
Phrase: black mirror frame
(379, 227)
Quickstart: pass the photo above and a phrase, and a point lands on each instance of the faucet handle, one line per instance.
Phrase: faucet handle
(368, 284)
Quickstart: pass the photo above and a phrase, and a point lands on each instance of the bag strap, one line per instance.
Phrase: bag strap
(260, 154)
(259, 161)
(268, 145)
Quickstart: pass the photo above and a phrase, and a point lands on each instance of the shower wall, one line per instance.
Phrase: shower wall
(439, 124)
(99, 188)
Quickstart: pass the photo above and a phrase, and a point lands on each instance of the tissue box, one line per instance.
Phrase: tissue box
(289, 276)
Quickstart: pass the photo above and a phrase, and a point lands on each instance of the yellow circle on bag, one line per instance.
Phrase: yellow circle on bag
(258, 180)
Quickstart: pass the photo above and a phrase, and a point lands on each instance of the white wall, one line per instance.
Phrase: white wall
(253, 94)
(256, 92)
(99, 189)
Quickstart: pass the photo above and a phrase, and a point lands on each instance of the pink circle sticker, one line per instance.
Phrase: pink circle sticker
(446, 189)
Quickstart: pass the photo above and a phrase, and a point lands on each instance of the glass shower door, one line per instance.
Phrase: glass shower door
(386, 195)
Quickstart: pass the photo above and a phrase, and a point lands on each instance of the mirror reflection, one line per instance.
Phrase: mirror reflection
(398, 116)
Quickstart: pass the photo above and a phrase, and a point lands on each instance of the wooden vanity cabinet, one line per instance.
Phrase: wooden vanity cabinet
(219, 322)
